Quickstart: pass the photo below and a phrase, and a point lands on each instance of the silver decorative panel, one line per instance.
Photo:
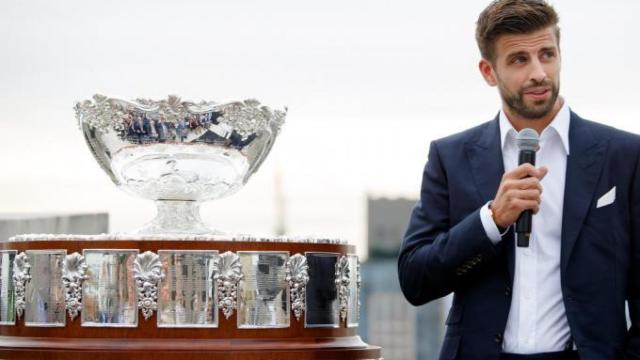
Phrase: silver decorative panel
(45, 293)
(187, 295)
(227, 273)
(343, 281)
(321, 291)
(263, 296)
(353, 302)
(109, 292)
(21, 276)
(74, 273)
(147, 271)
(7, 289)
(297, 278)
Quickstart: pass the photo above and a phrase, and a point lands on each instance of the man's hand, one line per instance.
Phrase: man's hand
(519, 190)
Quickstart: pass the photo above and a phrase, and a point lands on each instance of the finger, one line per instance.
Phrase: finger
(528, 194)
(521, 171)
(522, 184)
(542, 171)
(521, 205)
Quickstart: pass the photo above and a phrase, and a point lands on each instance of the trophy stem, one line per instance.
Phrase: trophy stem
(177, 217)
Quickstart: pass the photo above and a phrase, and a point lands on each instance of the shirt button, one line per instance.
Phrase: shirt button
(507, 290)
(498, 338)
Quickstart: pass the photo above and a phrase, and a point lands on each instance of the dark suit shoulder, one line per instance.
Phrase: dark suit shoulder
(462, 137)
(617, 138)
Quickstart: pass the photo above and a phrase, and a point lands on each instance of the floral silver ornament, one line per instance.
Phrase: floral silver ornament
(297, 276)
(21, 276)
(147, 271)
(247, 116)
(73, 274)
(227, 272)
(358, 285)
(343, 279)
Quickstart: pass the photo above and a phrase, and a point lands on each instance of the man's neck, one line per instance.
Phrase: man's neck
(518, 122)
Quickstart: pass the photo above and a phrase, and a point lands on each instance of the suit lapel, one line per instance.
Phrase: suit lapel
(487, 166)
(584, 165)
(485, 158)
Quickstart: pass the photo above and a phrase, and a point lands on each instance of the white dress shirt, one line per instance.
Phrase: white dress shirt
(537, 321)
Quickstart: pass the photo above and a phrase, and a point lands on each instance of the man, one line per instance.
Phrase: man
(563, 297)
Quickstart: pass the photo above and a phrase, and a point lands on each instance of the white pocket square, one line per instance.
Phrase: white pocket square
(607, 198)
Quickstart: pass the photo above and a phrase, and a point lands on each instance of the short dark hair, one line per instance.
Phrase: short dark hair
(512, 17)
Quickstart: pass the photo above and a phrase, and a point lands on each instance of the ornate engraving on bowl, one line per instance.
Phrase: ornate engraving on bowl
(45, 293)
(73, 274)
(263, 297)
(109, 295)
(227, 273)
(353, 312)
(343, 279)
(187, 293)
(297, 276)
(175, 150)
(7, 288)
(321, 302)
(21, 276)
(147, 271)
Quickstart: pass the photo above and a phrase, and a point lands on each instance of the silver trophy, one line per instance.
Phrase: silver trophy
(178, 153)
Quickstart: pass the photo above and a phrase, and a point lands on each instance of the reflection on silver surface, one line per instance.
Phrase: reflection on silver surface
(109, 292)
(343, 281)
(187, 292)
(45, 294)
(227, 272)
(147, 270)
(7, 289)
(353, 304)
(21, 276)
(178, 152)
(322, 295)
(297, 278)
(263, 297)
(74, 272)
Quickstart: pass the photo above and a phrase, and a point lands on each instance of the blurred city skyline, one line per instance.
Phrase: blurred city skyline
(368, 86)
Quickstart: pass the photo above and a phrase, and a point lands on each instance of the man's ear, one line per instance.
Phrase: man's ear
(486, 69)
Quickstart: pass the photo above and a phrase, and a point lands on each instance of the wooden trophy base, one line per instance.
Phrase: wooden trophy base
(147, 341)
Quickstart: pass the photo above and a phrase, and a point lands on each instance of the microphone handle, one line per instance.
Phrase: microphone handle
(523, 224)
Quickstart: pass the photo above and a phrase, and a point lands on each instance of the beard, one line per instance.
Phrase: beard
(539, 109)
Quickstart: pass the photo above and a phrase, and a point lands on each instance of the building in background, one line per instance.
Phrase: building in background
(405, 332)
(88, 224)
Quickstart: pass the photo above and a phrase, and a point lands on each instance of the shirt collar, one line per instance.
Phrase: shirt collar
(560, 124)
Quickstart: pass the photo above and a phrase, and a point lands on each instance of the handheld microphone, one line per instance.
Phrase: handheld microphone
(527, 142)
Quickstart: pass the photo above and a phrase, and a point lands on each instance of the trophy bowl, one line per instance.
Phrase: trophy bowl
(178, 153)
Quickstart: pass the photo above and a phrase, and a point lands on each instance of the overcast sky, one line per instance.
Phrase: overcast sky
(368, 85)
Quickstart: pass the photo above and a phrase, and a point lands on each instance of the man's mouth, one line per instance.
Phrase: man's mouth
(538, 93)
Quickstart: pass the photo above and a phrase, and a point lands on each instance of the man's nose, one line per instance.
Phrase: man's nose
(538, 73)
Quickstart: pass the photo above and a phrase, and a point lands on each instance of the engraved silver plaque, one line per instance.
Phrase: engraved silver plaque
(187, 296)
(109, 292)
(7, 289)
(322, 293)
(263, 296)
(353, 302)
(45, 293)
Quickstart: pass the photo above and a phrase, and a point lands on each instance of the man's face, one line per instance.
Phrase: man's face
(526, 70)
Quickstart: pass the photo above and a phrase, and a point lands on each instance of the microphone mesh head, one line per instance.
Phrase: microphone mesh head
(527, 139)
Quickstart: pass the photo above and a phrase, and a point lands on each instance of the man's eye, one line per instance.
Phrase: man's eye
(548, 54)
(519, 60)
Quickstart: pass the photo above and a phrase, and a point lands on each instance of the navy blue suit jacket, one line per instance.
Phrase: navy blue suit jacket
(446, 249)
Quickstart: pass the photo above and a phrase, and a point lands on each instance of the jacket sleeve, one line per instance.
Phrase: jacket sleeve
(633, 289)
(435, 254)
